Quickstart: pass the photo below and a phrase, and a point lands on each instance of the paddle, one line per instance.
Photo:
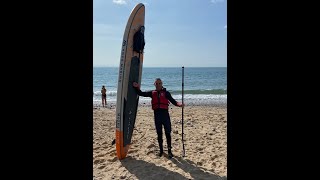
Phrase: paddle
(183, 152)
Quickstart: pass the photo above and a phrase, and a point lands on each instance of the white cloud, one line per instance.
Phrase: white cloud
(216, 1)
(119, 1)
(225, 26)
(122, 2)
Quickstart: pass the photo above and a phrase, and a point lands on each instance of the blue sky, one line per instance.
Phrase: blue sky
(191, 33)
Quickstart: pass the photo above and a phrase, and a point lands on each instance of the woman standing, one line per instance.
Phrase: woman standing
(104, 96)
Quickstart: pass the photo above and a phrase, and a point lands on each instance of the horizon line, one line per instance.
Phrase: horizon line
(167, 66)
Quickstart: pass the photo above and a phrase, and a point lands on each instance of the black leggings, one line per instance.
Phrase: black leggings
(161, 117)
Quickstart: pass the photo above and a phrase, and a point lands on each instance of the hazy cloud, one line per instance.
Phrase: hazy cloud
(216, 1)
(119, 1)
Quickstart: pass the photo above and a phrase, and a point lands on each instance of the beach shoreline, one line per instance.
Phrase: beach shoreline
(218, 102)
(205, 134)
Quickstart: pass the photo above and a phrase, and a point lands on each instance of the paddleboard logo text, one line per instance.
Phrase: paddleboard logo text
(122, 61)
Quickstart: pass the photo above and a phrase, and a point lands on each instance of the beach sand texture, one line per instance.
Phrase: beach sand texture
(205, 129)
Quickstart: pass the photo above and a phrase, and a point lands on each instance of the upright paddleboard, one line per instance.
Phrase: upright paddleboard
(130, 70)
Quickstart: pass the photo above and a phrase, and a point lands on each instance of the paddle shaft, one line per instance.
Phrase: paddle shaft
(183, 153)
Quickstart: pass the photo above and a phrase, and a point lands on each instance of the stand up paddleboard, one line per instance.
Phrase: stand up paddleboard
(130, 71)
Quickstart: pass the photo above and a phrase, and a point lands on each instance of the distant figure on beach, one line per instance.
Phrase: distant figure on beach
(160, 103)
(104, 96)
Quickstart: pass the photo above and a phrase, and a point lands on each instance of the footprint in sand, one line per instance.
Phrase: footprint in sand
(100, 155)
(149, 152)
(105, 146)
(151, 146)
(199, 163)
(135, 145)
(98, 161)
(110, 152)
(132, 151)
(113, 159)
(199, 148)
(214, 157)
(101, 167)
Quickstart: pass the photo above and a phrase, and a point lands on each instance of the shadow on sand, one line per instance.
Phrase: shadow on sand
(134, 167)
(195, 171)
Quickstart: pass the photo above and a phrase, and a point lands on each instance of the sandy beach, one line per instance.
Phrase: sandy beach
(205, 129)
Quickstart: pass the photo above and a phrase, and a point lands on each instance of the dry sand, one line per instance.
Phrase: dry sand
(205, 129)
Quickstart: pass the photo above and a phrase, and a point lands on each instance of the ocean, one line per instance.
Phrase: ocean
(202, 85)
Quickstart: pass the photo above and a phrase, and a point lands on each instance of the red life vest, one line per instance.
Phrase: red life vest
(161, 101)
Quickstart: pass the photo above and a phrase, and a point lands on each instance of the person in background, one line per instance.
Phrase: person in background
(104, 96)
